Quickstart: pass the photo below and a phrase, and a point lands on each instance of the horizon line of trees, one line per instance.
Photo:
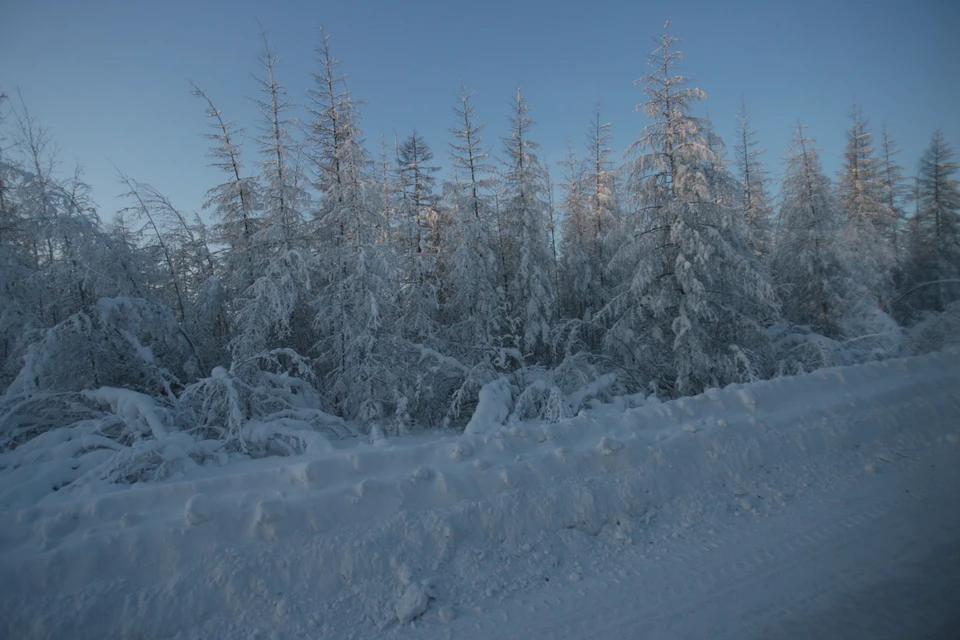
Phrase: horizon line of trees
(338, 284)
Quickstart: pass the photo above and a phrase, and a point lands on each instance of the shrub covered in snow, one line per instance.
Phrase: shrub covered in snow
(935, 331)
(122, 435)
(127, 342)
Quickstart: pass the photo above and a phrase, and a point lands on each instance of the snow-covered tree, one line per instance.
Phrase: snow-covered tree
(935, 228)
(58, 259)
(419, 237)
(235, 202)
(807, 264)
(154, 233)
(59, 270)
(179, 248)
(354, 288)
(117, 342)
(6, 204)
(604, 203)
(472, 302)
(553, 235)
(893, 190)
(386, 172)
(753, 198)
(528, 258)
(282, 188)
(19, 312)
(691, 309)
(52, 218)
(868, 223)
(579, 280)
(273, 311)
(461, 358)
(590, 237)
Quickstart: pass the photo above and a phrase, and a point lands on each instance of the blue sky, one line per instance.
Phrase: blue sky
(109, 78)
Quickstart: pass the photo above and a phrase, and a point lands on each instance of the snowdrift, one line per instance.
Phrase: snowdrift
(367, 540)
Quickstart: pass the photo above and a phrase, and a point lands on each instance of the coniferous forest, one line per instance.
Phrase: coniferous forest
(333, 290)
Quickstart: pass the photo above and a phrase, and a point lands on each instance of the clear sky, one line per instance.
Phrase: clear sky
(109, 77)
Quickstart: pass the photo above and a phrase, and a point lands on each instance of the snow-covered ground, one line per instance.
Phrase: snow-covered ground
(825, 505)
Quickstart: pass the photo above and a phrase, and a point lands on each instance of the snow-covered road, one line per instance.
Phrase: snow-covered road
(871, 557)
(825, 505)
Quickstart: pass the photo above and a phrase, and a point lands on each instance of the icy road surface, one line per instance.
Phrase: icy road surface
(818, 506)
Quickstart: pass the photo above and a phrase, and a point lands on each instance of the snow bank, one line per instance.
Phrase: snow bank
(367, 540)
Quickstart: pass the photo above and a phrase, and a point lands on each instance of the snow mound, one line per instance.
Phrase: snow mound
(412, 603)
(199, 509)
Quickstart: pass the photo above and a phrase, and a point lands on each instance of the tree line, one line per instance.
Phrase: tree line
(351, 292)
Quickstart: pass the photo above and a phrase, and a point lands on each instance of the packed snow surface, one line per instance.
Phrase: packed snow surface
(825, 505)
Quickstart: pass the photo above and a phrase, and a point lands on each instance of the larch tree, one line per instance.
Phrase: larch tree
(63, 325)
(589, 225)
(578, 277)
(867, 223)
(178, 247)
(234, 202)
(553, 235)
(472, 303)
(48, 222)
(753, 198)
(41, 262)
(271, 312)
(7, 213)
(808, 266)
(893, 190)
(387, 188)
(419, 238)
(528, 260)
(282, 186)
(603, 212)
(690, 312)
(352, 266)
(935, 228)
(467, 353)
(15, 315)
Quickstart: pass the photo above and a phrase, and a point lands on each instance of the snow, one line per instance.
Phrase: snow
(609, 446)
(133, 407)
(493, 406)
(412, 604)
(200, 508)
(790, 507)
